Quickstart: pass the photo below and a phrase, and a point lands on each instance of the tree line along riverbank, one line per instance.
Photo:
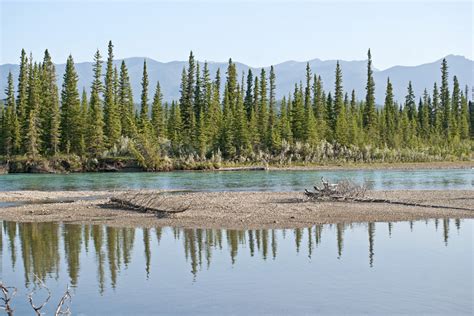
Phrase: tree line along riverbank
(226, 119)
(76, 164)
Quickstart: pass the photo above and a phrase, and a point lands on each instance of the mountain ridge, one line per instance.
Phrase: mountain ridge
(287, 74)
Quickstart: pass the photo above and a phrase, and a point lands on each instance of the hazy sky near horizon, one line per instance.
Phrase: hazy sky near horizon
(258, 33)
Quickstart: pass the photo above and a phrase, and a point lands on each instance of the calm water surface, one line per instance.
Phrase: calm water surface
(240, 180)
(372, 268)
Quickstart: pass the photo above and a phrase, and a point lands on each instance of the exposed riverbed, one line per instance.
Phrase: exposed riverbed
(231, 209)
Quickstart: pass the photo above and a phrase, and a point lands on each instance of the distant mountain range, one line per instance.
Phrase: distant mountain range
(287, 74)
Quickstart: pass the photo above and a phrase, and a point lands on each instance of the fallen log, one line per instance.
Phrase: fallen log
(147, 202)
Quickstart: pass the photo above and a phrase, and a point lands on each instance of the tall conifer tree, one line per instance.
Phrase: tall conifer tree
(95, 122)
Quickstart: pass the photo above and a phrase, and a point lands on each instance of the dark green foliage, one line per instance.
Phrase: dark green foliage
(144, 119)
(157, 117)
(445, 101)
(70, 111)
(31, 139)
(370, 119)
(239, 120)
(410, 102)
(95, 120)
(49, 109)
(298, 115)
(125, 102)
(112, 121)
(22, 100)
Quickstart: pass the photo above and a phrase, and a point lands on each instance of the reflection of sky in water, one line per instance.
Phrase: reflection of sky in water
(378, 268)
(241, 180)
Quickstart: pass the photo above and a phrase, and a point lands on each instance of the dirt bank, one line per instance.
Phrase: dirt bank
(231, 209)
(381, 165)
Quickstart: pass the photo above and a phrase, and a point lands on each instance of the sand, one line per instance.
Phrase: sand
(233, 210)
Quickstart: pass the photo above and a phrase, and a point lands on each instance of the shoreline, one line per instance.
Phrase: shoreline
(227, 210)
(131, 167)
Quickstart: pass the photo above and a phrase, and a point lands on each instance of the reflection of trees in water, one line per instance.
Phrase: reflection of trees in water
(340, 239)
(371, 230)
(72, 236)
(446, 230)
(10, 230)
(40, 243)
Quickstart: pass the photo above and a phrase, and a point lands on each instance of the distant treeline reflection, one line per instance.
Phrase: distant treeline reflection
(42, 245)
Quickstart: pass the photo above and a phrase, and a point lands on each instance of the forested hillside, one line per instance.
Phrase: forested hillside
(314, 123)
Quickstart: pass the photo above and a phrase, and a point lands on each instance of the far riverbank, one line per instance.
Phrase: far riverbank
(77, 165)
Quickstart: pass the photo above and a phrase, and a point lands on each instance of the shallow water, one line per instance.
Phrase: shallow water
(241, 180)
(422, 267)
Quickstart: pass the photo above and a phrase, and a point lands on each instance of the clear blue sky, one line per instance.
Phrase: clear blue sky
(257, 33)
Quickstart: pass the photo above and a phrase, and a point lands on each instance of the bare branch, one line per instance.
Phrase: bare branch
(8, 293)
(37, 309)
(65, 301)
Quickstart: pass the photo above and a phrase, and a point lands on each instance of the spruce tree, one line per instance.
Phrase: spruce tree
(248, 101)
(198, 94)
(285, 126)
(207, 99)
(262, 116)
(157, 117)
(70, 111)
(273, 137)
(464, 117)
(22, 99)
(49, 110)
(84, 112)
(31, 139)
(125, 102)
(369, 119)
(445, 102)
(307, 90)
(342, 128)
(241, 136)
(11, 125)
(353, 120)
(310, 129)
(187, 101)
(319, 106)
(390, 110)
(112, 122)
(214, 118)
(410, 102)
(255, 112)
(424, 116)
(298, 115)
(226, 132)
(338, 97)
(455, 108)
(144, 100)
(95, 122)
(437, 112)
(175, 126)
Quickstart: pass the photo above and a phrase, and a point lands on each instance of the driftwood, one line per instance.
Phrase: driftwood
(8, 292)
(38, 308)
(350, 192)
(149, 202)
(343, 190)
(65, 301)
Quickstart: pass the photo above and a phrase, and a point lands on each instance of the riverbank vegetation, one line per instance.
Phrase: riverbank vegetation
(224, 121)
